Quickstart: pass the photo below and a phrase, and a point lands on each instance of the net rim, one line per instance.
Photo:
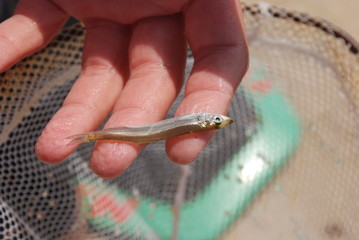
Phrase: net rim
(303, 18)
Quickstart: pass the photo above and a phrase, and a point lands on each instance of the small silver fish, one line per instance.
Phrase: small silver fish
(157, 131)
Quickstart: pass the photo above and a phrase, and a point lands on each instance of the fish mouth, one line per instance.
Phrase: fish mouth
(227, 121)
(230, 121)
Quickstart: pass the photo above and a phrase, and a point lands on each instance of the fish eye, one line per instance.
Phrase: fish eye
(217, 120)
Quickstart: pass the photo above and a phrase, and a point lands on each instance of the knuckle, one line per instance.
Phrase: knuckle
(6, 44)
(97, 66)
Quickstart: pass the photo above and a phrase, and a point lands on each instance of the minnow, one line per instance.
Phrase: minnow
(157, 131)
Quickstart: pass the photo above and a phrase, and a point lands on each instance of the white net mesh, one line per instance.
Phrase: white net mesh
(297, 111)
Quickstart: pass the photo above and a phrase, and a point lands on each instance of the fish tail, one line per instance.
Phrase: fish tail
(79, 139)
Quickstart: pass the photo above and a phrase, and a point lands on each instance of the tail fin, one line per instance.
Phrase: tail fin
(78, 139)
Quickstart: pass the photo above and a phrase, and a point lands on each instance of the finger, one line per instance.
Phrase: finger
(105, 68)
(215, 34)
(157, 58)
(33, 25)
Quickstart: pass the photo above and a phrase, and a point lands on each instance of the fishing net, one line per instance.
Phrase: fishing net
(286, 169)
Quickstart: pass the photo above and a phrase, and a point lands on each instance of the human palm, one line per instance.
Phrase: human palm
(133, 67)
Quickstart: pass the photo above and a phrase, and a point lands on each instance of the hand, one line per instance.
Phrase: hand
(133, 66)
